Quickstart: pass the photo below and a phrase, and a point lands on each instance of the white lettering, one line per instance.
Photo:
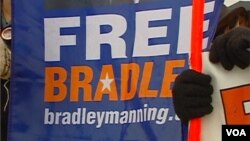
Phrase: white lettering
(100, 118)
(243, 133)
(209, 8)
(144, 33)
(53, 39)
(76, 116)
(94, 38)
(48, 117)
(236, 132)
(185, 26)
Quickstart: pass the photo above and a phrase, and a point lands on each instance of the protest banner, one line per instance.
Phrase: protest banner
(100, 71)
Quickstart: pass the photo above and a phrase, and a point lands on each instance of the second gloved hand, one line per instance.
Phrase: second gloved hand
(232, 48)
(192, 95)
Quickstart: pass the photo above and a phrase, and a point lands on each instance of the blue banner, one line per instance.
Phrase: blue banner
(100, 70)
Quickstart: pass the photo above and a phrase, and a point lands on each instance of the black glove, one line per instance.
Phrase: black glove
(192, 95)
(232, 48)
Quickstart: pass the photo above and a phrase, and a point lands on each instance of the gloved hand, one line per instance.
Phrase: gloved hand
(232, 48)
(192, 95)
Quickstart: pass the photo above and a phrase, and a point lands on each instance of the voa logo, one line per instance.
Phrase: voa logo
(236, 132)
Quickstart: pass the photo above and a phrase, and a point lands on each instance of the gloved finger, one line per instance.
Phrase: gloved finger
(192, 76)
(192, 90)
(217, 48)
(191, 113)
(239, 52)
(213, 54)
(200, 111)
(218, 53)
(225, 60)
(238, 47)
(196, 102)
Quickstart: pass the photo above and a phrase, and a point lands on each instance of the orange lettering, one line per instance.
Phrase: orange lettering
(52, 84)
(169, 76)
(76, 83)
(146, 77)
(129, 80)
(106, 84)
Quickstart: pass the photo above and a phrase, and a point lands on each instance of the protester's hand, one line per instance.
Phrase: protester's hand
(192, 95)
(232, 48)
(5, 56)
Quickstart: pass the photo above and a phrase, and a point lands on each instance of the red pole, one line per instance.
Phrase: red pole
(196, 58)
